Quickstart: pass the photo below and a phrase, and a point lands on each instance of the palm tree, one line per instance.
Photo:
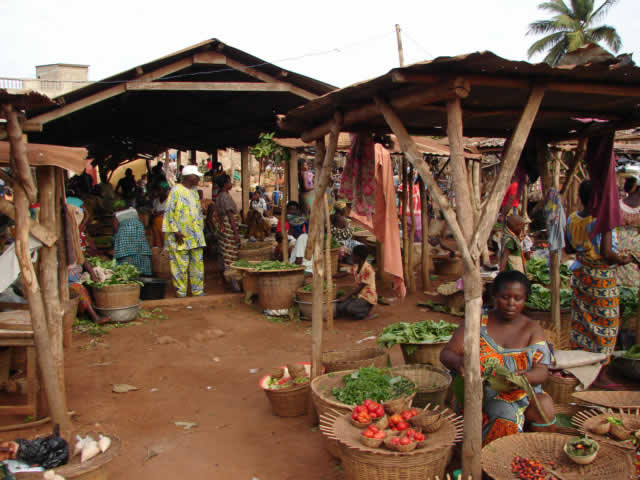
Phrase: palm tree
(571, 28)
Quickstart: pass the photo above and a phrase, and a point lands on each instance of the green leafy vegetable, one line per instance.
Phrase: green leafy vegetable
(540, 298)
(374, 383)
(123, 274)
(628, 302)
(419, 332)
(538, 272)
(265, 265)
(633, 353)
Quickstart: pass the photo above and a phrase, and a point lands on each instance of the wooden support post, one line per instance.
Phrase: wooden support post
(194, 158)
(31, 287)
(294, 183)
(403, 216)
(283, 214)
(328, 264)
(578, 157)
(48, 274)
(244, 178)
(412, 233)
(554, 261)
(19, 152)
(36, 229)
(178, 164)
(426, 246)
(63, 273)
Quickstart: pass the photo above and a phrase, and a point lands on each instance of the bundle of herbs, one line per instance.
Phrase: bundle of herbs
(372, 383)
(121, 274)
(415, 333)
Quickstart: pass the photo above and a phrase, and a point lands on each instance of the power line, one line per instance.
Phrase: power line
(417, 43)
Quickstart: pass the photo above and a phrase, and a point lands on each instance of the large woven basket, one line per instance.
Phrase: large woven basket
(353, 359)
(559, 340)
(425, 353)
(431, 382)
(117, 296)
(289, 402)
(308, 296)
(362, 462)
(547, 448)
(608, 399)
(543, 317)
(259, 251)
(584, 420)
(560, 388)
(335, 256)
(250, 281)
(277, 289)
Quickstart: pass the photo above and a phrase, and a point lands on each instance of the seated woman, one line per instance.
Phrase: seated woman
(78, 289)
(358, 303)
(343, 233)
(519, 344)
(130, 243)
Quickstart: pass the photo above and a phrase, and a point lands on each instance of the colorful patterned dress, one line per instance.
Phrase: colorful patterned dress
(184, 214)
(226, 207)
(595, 305)
(511, 243)
(130, 246)
(503, 413)
(629, 239)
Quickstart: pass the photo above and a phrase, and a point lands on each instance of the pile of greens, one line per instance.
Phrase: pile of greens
(334, 243)
(374, 383)
(265, 265)
(633, 353)
(308, 288)
(628, 302)
(419, 332)
(538, 272)
(123, 274)
(540, 298)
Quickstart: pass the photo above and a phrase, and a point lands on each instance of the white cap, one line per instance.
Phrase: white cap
(191, 170)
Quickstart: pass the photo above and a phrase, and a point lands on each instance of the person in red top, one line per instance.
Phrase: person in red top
(510, 202)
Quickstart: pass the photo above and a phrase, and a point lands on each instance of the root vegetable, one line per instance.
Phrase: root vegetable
(90, 450)
(104, 443)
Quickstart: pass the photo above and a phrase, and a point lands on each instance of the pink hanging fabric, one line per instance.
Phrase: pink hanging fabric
(605, 199)
(358, 183)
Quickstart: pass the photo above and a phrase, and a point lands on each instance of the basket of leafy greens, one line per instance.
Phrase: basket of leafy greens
(421, 342)
(377, 384)
(540, 298)
(118, 285)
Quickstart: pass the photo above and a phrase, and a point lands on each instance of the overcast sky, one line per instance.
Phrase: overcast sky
(339, 42)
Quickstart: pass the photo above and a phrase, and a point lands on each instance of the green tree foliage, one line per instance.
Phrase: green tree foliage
(571, 27)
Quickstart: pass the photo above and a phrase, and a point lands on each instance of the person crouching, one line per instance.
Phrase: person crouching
(360, 301)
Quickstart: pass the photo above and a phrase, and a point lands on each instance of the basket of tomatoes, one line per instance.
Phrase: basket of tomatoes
(288, 392)
(408, 440)
(369, 412)
(373, 436)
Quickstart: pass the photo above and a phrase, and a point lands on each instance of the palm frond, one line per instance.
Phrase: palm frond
(542, 27)
(555, 6)
(582, 9)
(606, 34)
(556, 53)
(601, 11)
(567, 22)
(545, 43)
(576, 40)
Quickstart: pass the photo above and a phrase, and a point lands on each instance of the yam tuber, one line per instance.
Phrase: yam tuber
(90, 450)
(104, 443)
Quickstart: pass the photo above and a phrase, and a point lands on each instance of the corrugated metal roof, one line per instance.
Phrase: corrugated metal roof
(499, 91)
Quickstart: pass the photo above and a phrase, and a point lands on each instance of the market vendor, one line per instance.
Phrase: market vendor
(296, 222)
(130, 243)
(358, 303)
(511, 250)
(228, 228)
(519, 344)
(159, 196)
(77, 289)
(343, 233)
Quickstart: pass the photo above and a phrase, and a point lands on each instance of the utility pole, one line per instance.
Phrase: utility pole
(400, 51)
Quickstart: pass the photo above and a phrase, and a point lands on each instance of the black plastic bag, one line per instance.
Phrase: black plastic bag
(48, 452)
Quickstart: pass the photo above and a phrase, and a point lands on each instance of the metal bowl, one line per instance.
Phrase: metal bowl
(120, 315)
(627, 367)
(307, 307)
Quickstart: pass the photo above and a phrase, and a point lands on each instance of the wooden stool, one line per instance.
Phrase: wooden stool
(16, 331)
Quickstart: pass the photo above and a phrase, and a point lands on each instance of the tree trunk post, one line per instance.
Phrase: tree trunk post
(328, 264)
(283, 213)
(244, 179)
(63, 273)
(294, 175)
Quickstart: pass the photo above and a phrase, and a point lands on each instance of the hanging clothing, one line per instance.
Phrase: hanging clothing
(187, 266)
(358, 182)
(628, 236)
(605, 199)
(130, 246)
(511, 243)
(555, 219)
(512, 191)
(595, 305)
(503, 413)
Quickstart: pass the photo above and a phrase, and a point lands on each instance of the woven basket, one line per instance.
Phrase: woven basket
(277, 289)
(547, 448)
(117, 296)
(353, 359)
(560, 388)
(362, 462)
(308, 296)
(586, 420)
(570, 411)
(431, 382)
(288, 402)
(335, 256)
(250, 282)
(608, 398)
(446, 265)
(263, 252)
(559, 340)
(425, 353)
(160, 263)
(543, 317)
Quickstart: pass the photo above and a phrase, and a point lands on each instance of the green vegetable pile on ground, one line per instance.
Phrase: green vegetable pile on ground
(540, 298)
(633, 353)
(374, 383)
(538, 272)
(265, 265)
(419, 332)
(122, 274)
(628, 303)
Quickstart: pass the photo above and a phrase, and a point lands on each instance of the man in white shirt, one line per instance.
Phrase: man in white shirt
(297, 255)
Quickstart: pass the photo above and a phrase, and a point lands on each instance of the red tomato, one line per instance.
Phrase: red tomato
(354, 415)
(373, 415)
(379, 435)
(406, 415)
(395, 419)
(395, 441)
(402, 426)
(414, 412)
(366, 402)
(359, 409)
(374, 428)
(405, 441)
(394, 429)
(368, 433)
(419, 437)
(380, 411)
(373, 406)
(410, 431)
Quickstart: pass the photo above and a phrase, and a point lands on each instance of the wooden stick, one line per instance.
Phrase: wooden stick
(509, 162)
(48, 275)
(412, 233)
(19, 153)
(426, 246)
(322, 178)
(403, 216)
(36, 229)
(46, 362)
(283, 214)
(410, 149)
(578, 157)
(318, 294)
(63, 272)
(328, 264)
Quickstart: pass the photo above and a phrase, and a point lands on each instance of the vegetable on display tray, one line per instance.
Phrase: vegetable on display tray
(537, 270)
(266, 265)
(424, 332)
(372, 383)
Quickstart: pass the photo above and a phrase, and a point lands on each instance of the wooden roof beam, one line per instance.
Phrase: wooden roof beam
(517, 83)
(210, 86)
(456, 88)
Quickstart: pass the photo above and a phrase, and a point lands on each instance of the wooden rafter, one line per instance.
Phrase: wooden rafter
(210, 86)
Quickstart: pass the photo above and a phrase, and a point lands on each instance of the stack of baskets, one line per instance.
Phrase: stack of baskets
(256, 251)
(431, 383)
(422, 353)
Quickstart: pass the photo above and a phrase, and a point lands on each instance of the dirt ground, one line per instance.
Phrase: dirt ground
(198, 365)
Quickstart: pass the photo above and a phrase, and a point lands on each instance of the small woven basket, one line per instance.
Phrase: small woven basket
(431, 383)
(335, 256)
(116, 296)
(587, 422)
(423, 353)
(259, 251)
(609, 399)
(371, 442)
(400, 448)
(428, 420)
(353, 359)
(560, 388)
(569, 411)
(277, 289)
(397, 405)
(289, 402)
